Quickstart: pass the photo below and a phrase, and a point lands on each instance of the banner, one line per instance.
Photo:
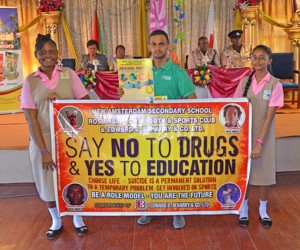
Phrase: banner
(11, 76)
(166, 157)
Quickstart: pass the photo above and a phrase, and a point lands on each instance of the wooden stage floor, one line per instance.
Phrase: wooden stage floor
(25, 220)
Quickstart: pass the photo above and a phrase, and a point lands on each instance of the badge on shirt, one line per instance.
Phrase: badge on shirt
(267, 95)
(168, 78)
(64, 75)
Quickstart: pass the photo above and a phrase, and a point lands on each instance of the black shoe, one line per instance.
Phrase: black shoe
(244, 222)
(266, 222)
(81, 231)
(52, 234)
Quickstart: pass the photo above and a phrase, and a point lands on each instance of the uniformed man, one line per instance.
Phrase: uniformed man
(236, 55)
(203, 54)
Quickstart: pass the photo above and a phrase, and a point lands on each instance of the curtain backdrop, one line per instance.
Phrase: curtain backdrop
(118, 24)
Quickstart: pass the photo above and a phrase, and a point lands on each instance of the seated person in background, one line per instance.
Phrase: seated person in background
(236, 55)
(120, 54)
(203, 55)
(93, 60)
(174, 58)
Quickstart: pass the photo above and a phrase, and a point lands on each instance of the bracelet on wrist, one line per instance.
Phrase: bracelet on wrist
(260, 141)
(44, 151)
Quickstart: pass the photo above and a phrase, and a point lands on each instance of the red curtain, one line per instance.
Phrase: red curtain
(107, 85)
(224, 82)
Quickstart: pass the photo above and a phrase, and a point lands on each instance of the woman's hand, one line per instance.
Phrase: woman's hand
(47, 161)
(52, 97)
(255, 153)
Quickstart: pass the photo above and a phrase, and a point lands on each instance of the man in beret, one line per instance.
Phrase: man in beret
(237, 55)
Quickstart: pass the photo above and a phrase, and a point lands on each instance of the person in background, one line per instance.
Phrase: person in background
(93, 60)
(49, 82)
(120, 54)
(265, 93)
(171, 81)
(237, 55)
(203, 55)
(174, 57)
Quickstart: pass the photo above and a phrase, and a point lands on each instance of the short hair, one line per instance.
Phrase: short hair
(74, 185)
(92, 42)
(202, 38)
(158, 33)
(41, 40)
(232, 106)
(120, 46)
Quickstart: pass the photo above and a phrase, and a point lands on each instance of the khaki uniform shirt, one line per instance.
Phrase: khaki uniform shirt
(230, 58)
(197, 58)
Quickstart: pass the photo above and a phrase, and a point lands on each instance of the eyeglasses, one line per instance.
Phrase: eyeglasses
(260, 58)
(44, 52)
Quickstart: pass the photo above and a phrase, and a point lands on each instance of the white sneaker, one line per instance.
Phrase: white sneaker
(178, 221)
(143, 220)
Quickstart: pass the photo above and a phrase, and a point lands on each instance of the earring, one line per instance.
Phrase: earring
(59, 62)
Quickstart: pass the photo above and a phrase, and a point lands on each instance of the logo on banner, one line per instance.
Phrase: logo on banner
(228, 195)
(141, 205)
(70, 119)
(232, 117)
(75, 196)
